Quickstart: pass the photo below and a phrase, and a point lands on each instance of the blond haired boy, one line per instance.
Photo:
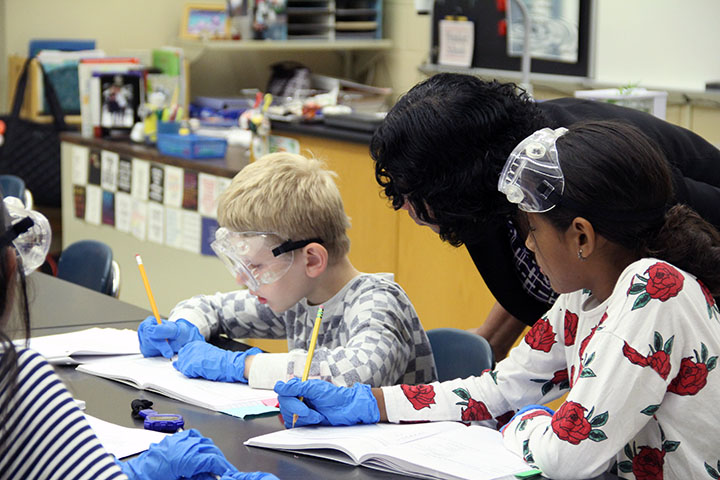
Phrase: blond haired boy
(284, 236)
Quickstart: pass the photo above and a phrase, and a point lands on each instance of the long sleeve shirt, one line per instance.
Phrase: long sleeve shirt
(640, 373)
(45, 435)
(370, 333)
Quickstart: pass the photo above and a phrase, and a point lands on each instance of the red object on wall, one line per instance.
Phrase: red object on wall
(502, 28)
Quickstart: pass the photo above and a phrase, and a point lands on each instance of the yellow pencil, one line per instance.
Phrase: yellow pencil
(311, 350)
(147, 288)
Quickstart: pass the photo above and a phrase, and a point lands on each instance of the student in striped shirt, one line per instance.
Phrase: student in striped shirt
(43, 434)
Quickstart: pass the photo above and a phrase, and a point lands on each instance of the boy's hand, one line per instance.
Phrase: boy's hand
(183, 455)
(200, 359)
(166, 338)
(326, 404)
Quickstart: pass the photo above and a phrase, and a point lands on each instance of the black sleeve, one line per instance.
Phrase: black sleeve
(491, 252)
(695, 162)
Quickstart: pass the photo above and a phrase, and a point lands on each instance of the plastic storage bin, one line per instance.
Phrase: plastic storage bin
(191, 146)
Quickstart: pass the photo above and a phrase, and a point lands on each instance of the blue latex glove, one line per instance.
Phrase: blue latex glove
(525, 410)
(183, 455)
(249, 476)
(200, 359)
(326, 404)
(167, 338)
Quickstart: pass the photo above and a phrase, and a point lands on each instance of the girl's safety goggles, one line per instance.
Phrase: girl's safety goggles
(256, 258)
(532, 177)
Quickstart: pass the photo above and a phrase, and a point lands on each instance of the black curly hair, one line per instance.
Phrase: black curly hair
(443, 145)
(619, 180)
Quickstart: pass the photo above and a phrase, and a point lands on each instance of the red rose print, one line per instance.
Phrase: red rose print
(708, 296)
(664, 281)
(691, 378)
(420, 396)
(572, 375)
(634, 356)
(504, 418)
(648, 464)
(475, 411)
(569, 423)
(560, 376)
(660, 362)
(571, 322)
(536, 413)
(586, 340)
(541, 336)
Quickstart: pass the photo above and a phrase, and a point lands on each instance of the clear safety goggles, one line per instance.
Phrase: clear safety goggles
(256, 258)
(532, 177)
(28, 231)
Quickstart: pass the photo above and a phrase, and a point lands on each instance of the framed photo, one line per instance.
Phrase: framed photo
(206, 22)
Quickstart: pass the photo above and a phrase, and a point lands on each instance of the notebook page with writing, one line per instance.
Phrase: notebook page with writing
(438, 450)
(157, 374)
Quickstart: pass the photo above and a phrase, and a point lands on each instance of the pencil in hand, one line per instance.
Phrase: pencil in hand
(311, 351)
(153, 305)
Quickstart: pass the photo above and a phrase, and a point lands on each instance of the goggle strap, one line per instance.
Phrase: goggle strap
(290, 245)
(16, 230)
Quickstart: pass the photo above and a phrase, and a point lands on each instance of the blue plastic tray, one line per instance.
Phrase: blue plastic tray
(191, 146)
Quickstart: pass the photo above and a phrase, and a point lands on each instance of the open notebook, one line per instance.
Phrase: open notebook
(157, 374)
(85, 345)
(438, 450)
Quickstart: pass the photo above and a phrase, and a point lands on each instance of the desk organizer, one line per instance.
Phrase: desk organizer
(191, 146)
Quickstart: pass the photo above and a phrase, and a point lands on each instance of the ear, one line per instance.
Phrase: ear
(316, 259)
(582, 236)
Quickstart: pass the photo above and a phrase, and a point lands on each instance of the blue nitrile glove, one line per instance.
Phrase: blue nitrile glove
(326, 404)
(167, 338)
(200, 359)
(249, 476)
(524, 411)
(183, 455)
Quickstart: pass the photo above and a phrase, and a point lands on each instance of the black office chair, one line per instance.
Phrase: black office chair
(459, 353)
(90, 263)
(14, 186)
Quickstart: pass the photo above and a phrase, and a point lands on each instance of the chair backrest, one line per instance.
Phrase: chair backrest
(12, 186)
(90, 263)
(459, 353)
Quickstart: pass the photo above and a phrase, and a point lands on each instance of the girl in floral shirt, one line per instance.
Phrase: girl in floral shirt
(633, 339)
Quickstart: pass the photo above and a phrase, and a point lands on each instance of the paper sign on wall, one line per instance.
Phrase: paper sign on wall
(457, 42)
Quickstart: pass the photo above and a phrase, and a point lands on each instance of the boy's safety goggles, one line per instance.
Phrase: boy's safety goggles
(532, 177)
(256, 258)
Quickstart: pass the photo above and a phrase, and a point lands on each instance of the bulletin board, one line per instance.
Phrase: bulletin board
(490, 50)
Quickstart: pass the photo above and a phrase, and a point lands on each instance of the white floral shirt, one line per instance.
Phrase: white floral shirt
(640, 373)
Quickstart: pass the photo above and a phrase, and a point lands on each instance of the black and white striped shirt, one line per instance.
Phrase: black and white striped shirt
(45, 435)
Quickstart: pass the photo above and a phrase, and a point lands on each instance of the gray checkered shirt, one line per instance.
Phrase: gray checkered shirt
(370, 331)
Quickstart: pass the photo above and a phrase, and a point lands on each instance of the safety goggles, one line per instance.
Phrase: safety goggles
(256, 258)
(28, 231)
(532, 177)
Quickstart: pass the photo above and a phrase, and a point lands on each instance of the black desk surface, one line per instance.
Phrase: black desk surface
(59, 306)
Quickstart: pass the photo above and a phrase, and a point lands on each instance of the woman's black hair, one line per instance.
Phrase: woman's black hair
(12, 283)
(617, 179)
(443, 145)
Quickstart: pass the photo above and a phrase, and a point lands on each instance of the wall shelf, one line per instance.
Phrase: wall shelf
(346, 48)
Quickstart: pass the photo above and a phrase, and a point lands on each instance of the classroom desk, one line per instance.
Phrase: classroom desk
(61, 306)
(57, 306)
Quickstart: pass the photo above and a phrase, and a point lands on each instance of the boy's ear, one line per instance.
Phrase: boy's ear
(316, 259)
